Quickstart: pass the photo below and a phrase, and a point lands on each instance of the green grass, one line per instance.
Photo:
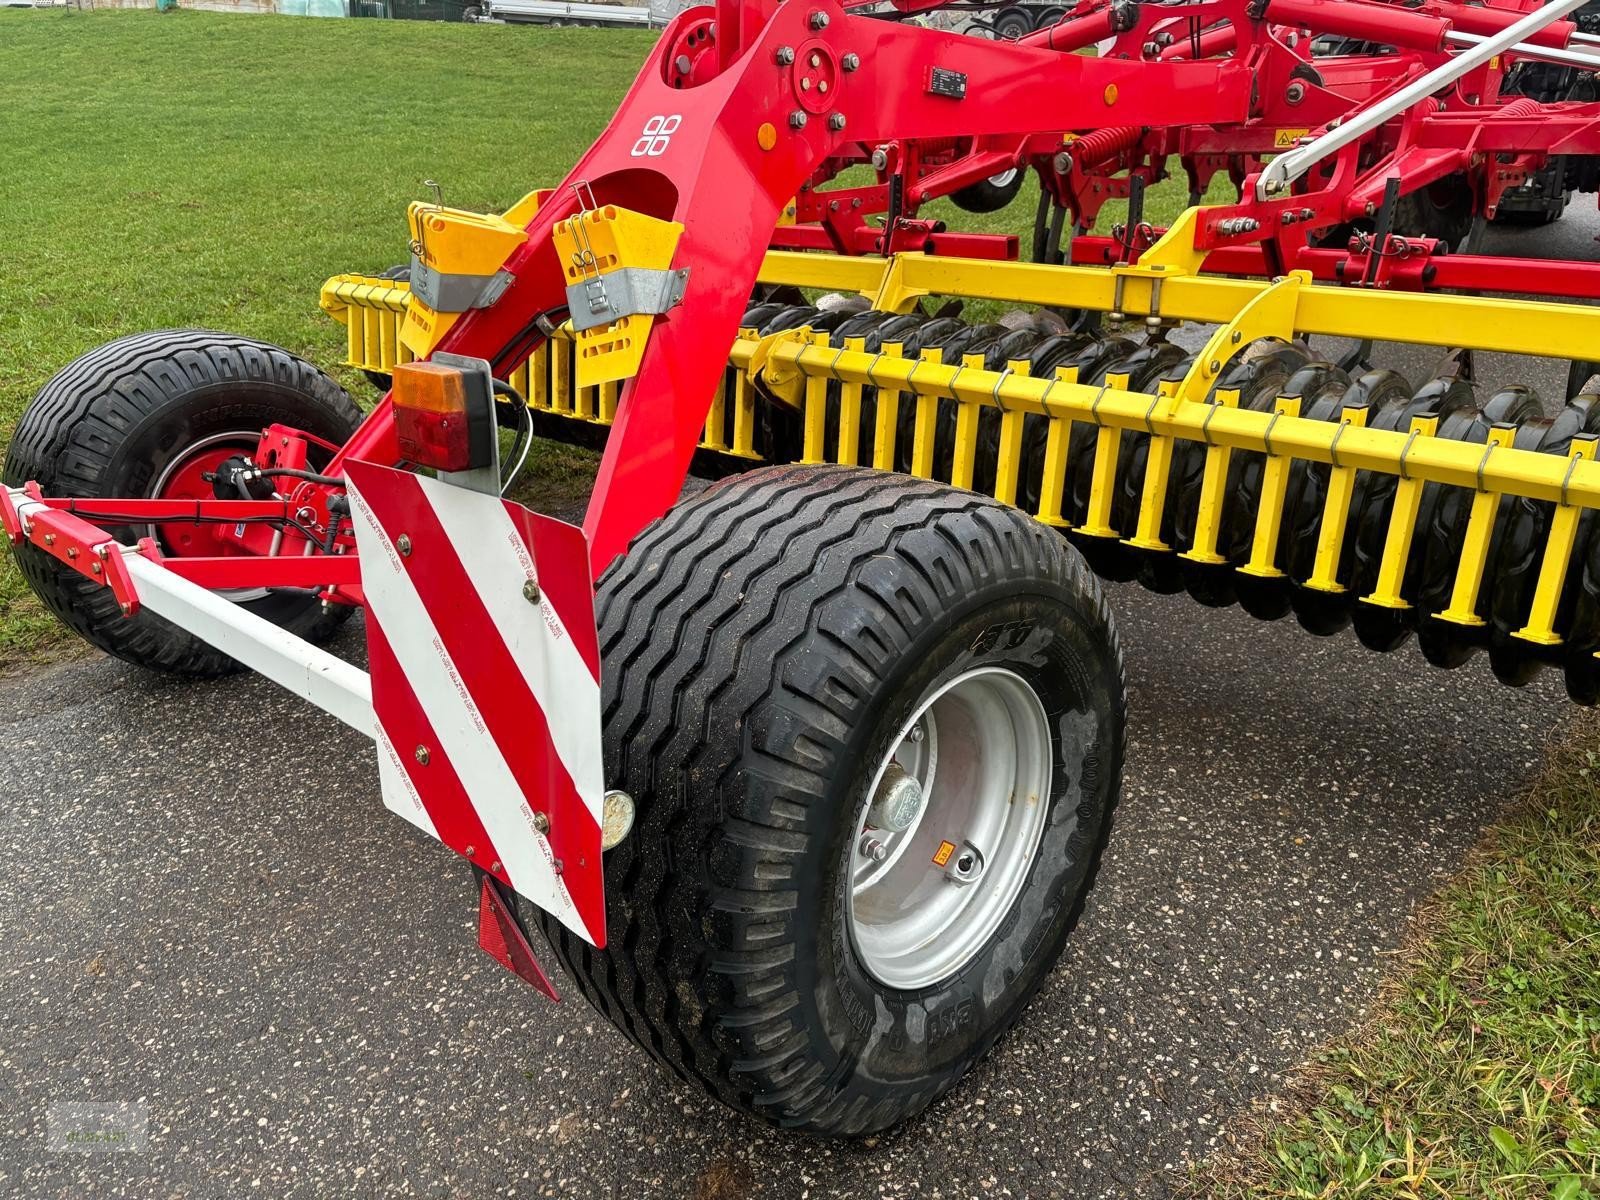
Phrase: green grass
(190, 169)
(1479, 1073)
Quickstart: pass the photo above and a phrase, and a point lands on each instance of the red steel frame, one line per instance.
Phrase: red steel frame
(751, 134)
(1495, 141)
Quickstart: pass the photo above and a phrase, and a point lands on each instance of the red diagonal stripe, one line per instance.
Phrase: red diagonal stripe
(491, 676)
(568, 592)
(443, 796)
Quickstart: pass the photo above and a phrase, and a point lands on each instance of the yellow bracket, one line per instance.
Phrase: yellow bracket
(613, 260)
(780, 374)
(462, 252)
(1270, 313)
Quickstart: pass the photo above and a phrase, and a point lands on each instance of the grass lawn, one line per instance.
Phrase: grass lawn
(1478, 1075)
(191, 169)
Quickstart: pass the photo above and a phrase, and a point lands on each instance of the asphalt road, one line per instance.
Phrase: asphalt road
(204, 907)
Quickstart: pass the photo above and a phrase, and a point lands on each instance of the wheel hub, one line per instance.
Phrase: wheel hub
(957, 811)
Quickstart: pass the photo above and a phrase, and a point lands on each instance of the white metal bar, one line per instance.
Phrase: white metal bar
(1549, 54)
(309, 672)
(1278, 174)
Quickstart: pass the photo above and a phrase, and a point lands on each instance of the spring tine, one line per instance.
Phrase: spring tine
(886, 415)
(1058, 438)
(1540, 628)
(1263, 562)
(850, 411)
(1336, 510)
(1463, 608)
(966, 453)
(1208, 516)
(1402, 525)
(1157, 470)
(1008, 466)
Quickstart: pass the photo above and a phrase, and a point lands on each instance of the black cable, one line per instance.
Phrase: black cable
(524, 439)
(293, 473)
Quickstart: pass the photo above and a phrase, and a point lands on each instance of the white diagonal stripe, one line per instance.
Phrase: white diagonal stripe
(463, 735)
(551, 665)
(400, 795)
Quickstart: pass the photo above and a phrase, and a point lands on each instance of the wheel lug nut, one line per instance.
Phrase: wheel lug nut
(872, 848)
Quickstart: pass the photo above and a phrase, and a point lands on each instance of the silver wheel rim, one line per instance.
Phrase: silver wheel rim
(926, 899)
(1004, 178)
(237, 595)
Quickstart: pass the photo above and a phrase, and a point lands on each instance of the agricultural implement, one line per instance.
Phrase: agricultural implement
(805, 776)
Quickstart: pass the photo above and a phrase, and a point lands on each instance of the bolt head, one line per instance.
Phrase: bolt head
(403, 544)
(872, 848)
(880, 159)
(541, 822)
(816, 59)
(422, 755)
(836, 122)
(785, 55)
(530, 591)
(917, 733)
(1063, 163)
(682, 64)
(851, 62)
(818, 22)
(797, 119)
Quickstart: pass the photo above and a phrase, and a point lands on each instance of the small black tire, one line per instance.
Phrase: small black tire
(382, 380)
(992, 194)
(1441, 210)
(111, 422)
(763, 644)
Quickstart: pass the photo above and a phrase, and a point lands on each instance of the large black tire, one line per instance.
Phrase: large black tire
(111, 422)
(763, 644)
(992, 194)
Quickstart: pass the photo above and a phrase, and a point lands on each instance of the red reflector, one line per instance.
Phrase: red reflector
(501, 936)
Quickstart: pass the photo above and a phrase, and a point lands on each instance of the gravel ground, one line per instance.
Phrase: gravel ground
(204, 908)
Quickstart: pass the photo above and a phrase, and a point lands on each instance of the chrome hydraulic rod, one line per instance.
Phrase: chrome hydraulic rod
(1278, 174)
(1549, 54)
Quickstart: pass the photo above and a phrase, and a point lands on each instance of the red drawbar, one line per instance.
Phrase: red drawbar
(502, 937)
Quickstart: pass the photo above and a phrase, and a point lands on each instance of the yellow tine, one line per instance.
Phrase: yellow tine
(610, 397)
(744, 416)
(816, 412)
(1541, 626)
(1057, 440)
(1153, 500)
(1008, 466)
(1402, 528)
(1213, 482)
(560, 375)
(388, 337)
(717, 415)
(538, 392)
(966, 452)
(1463, 608)
(927, 418)
(1336, 511)
(1103, 480)
(850, 411)
(887, 414)
(1269, 517)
